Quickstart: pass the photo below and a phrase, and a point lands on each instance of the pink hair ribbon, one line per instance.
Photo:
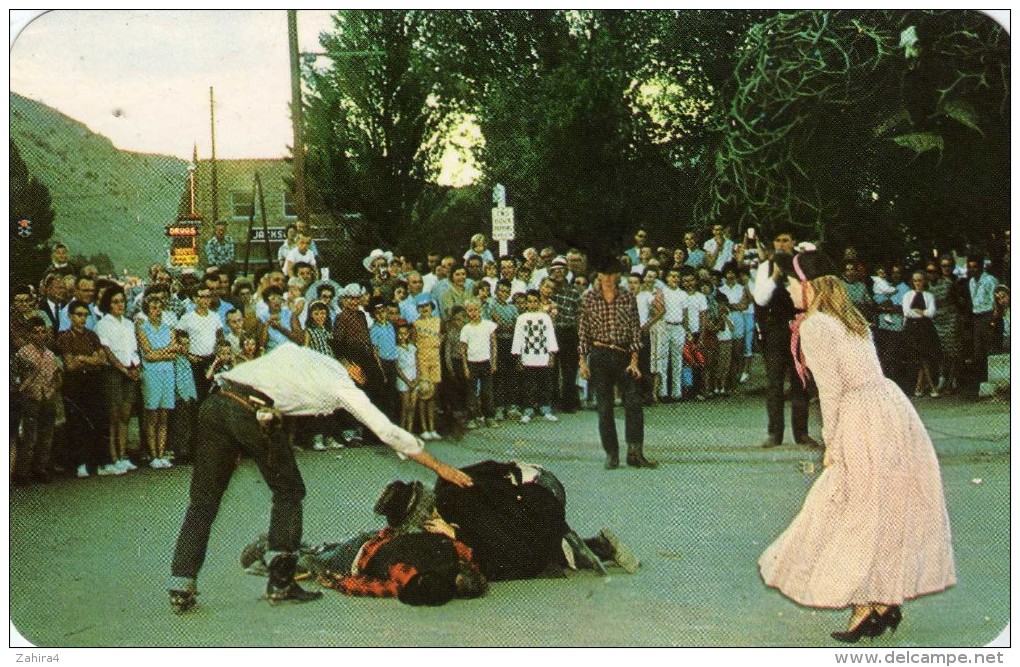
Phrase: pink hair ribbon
(798, 355)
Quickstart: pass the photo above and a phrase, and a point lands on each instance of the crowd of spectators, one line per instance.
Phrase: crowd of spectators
(445, 344)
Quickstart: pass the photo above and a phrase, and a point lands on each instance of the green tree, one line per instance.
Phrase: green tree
(885, 130)
(31, 214)
(371, 119)
(594, 120)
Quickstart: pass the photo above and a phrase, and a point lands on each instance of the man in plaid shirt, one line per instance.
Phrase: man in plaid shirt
(219, 250)
(609, 330)
(422, 568)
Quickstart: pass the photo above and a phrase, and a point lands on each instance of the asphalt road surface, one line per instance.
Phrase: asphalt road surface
(89, 558)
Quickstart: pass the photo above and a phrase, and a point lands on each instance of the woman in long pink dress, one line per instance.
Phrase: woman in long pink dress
(873, 531)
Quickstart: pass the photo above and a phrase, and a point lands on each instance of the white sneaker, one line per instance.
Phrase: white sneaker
(121, 466)
(156, 464)
(318, 444)
(744, 377)
(333, 443)
(166, 463)
(83, 471)
(129, 465)
(110, 469)
(435, 435)
(425, 435)
(525, 419)
(550, 417)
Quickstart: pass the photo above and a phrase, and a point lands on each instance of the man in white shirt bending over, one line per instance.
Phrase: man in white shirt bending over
(289, 381)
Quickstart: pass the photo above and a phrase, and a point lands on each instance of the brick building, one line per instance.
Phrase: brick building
(237, 199)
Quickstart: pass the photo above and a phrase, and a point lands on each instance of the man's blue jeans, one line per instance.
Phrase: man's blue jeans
(480, 384)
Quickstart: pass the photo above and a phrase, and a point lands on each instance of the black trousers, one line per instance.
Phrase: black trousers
(983, 345)
(85, 425)
(779, 369)
(567, 361)
(608, 369)
(389, 397)
(225, 429)
(890, 349)
(505, 380)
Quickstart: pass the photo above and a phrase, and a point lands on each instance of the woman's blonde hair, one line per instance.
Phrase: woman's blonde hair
(832, 299)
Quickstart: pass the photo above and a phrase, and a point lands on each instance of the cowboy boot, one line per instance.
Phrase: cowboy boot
(607, 543)
(281, 586)
(636, 457)
(182, 600)
(583, 556)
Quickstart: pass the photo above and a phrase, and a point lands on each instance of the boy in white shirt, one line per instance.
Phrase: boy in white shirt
(697, 304)
(478, 350)
(535, 348)
(302, 252)
(205, 329)
(676, 325)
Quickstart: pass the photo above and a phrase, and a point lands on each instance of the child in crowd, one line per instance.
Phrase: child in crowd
(697, 303)
(429, 342)
(185, 415)
(318, 332)
(455, 385)
(519, 300)
(39, 389)
(504, 315)
(534, 346)
(384, 342)
(407, 376)
(249, 348)
(729, 357)
(491, 275)
(223, 361)
(715, 334)
(478, 350)
(482, 291)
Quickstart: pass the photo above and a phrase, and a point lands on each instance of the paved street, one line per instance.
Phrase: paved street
(89, 557)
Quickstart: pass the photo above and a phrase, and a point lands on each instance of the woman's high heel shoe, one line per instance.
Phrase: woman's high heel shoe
(891, 618)
(871, 626)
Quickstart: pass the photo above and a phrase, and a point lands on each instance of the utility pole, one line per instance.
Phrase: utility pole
(212, 121)
(297, 117)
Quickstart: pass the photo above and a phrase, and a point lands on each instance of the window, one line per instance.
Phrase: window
(242, 203)
(289, 205)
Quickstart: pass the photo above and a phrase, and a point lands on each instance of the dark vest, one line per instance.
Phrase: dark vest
(776, 316)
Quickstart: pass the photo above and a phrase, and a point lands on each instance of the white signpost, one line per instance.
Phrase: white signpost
(502, 219)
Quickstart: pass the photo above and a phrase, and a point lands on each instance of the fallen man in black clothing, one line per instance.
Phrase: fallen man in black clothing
(514, 519)
(510, 525)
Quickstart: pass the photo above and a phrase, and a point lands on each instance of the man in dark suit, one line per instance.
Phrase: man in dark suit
(774, 312)
(54, 302)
